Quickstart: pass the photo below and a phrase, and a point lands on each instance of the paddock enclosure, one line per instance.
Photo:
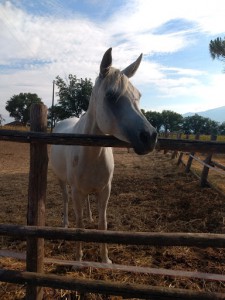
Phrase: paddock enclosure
(139, 202)
(149, 194)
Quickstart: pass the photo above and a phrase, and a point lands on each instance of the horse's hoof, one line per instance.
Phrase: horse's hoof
(107, 261)
(91, 220)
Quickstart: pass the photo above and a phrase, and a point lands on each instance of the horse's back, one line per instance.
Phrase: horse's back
(66, 126)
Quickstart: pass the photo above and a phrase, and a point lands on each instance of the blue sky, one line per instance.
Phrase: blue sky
(45, 38)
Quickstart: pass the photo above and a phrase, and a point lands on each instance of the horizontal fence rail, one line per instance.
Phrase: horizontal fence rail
(61, 138)
(218, 169)
(191, 145)
(108, 141)
(100, 286)
(218, 165)
(118, 267)
(116, 237)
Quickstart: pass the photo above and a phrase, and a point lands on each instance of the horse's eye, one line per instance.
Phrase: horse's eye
(111, 95)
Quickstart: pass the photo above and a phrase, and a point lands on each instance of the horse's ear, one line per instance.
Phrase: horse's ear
(106, 63)
(131, 69)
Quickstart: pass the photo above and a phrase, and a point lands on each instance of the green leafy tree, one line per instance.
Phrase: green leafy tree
(18, 106)
(217, 51)
(193, 124)
(58, 114)
(210, 127)
(221, 129)
(171, 121)
(217, 48)
(1, 119)
(198, 124)
(74, 95)
(155, 118)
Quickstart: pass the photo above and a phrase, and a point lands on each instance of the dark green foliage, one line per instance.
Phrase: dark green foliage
(222, 128)
(73, 96)
(155, 118)
(217, 48)
(1, 119)
(198, 124)
(18, 106)
(171, 121)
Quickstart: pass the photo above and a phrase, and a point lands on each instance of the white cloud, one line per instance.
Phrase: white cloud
(189, 94)
(213, 91)
(144, 15)
(50, 45)
(182, 71)
(38, 37)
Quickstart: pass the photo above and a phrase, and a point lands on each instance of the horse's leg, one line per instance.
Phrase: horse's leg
(65, 203)
(103, 198)
(89, 213)
(78, 203)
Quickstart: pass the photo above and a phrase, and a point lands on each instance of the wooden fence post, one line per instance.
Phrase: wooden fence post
(205, 170)
(166, 135)
(182, 153)
(189, 162)
(175, 152)
(36, 197)
(179, 161)
(190, 159)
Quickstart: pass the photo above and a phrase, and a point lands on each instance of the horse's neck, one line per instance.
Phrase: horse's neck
(90, 124)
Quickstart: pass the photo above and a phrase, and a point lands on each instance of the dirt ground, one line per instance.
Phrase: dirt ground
(149, 193)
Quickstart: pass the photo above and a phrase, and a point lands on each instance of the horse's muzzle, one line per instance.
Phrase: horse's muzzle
(146, 143)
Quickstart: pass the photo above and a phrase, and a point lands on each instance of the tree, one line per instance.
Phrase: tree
(222, 128)
(217, 48)
(211, 127)
(198, 124)
(171, 121)
(154, 117)
(1, 120)
(73, 97)
(18, 106)
(193, 124)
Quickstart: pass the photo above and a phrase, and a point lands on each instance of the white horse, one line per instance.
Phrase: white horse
(113, 109)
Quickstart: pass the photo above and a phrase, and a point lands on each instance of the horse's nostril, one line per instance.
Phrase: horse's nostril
(148, 138)
(154, 135)
(145, 137)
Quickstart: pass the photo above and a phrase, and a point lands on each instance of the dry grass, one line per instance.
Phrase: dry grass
(216, 179)
(10, 127)
(149, 193)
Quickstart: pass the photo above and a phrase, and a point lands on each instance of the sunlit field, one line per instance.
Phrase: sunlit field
(202, 137)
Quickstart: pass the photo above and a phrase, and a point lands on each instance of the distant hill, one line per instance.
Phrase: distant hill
(216, 114)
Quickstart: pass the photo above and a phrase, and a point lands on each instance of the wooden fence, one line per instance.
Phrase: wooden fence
(35, 232)
(208, 163)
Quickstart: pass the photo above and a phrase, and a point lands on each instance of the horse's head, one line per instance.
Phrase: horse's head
(117, 106)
